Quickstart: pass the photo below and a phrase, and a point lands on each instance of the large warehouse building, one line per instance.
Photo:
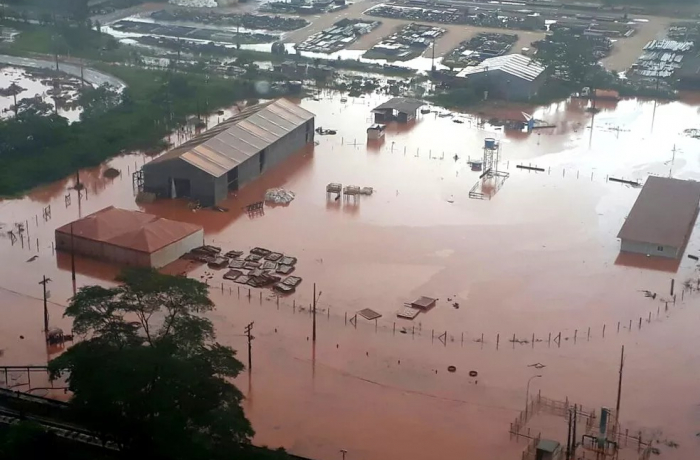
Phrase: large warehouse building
(230, 154)
(129, 238)
(512, 76)
(662, 218)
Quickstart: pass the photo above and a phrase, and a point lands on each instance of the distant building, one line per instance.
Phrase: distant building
(662, 218)
(401, 109)
(512, 76)
(129, 238)
(231, 154)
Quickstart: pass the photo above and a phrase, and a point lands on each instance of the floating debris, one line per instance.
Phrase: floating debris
(369, 314)
(408, 313)
(279, 196)
(111, 173)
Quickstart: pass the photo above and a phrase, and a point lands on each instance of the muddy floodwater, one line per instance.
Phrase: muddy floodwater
(540, 260)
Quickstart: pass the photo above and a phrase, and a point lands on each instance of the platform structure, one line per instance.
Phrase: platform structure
(351, 191)
(491, 178)
(332, 188)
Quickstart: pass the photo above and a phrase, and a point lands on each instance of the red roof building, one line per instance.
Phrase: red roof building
(129, 237)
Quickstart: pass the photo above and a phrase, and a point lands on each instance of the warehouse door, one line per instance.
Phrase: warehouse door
(262, 159)
(232, 178)
(181, 188)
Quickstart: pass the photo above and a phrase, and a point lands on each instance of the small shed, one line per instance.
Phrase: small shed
(423, 303)
(401, 109)
(547, 450)
(376, 131)
(662, 218)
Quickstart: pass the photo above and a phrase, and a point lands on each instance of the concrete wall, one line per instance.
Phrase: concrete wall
(174, 251)
(649, 248)
(157, 179)
(102, 251)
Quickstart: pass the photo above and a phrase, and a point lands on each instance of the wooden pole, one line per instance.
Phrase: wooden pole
(313, 334)
(619, 386)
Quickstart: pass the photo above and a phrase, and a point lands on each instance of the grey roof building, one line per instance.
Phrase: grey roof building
(401, 109)
(231, 154)
(512, 76)
(662, 218)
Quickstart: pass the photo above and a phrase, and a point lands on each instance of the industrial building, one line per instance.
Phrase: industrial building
(401, 109)
(662, 219)
(129, 238)
(509, 77)
(231, 154)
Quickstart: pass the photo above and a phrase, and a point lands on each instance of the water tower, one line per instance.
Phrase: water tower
(492, 155)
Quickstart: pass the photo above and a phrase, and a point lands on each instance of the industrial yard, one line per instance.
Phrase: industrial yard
(408, 42)
(411, 270)
(343, 34)
(565, 219)
(478, 48)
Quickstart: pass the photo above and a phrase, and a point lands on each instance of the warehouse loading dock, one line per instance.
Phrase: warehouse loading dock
(231, 154)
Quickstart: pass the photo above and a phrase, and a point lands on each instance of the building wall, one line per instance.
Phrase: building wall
(211, 190)
(102, 251)
(249, 170)
(649, 248)
(505, 86)
(157, 179)
(174, 251)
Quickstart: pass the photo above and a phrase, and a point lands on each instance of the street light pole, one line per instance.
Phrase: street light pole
(527, 392)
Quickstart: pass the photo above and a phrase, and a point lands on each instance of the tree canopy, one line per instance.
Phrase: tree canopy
(149, 375)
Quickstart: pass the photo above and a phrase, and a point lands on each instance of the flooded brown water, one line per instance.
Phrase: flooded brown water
(539, 258)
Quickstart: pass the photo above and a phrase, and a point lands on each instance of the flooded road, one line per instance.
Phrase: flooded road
(537, 260)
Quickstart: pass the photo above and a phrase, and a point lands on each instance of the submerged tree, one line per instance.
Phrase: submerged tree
(149, 375)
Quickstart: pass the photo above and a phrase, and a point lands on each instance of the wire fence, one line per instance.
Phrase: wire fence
(295, 304)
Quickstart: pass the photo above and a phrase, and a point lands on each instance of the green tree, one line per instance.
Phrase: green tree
(149, 375)
(568, 56)
(97, 101)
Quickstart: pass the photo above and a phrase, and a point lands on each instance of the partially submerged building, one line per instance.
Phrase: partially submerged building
(662, 219)
(231, 154)
(512, 76)
(129, 238)
(401, 109)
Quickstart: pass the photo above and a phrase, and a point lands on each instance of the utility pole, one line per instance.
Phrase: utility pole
(72, 255)
(248, 330)
(619, 386)
(43, 282)
(568, 439)
(573, 433)
(313, 334)
(432, 62)
(313, 310)
(673, 160)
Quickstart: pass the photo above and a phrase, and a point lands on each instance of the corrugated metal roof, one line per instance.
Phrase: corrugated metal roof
(401, 104)
(129, 229)
(233, 141)
(516, 65)
(664, 212)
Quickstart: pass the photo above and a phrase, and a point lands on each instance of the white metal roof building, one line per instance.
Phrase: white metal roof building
(232, 153)
(512, 76)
